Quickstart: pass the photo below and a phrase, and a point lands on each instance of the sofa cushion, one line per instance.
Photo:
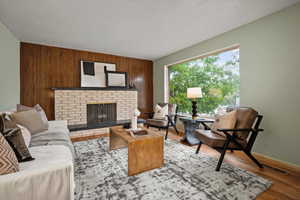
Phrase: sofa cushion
(53, 136)
(38, 108)
(31, 119)
(8, 160)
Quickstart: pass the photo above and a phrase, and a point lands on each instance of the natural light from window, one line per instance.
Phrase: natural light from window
(219, 77)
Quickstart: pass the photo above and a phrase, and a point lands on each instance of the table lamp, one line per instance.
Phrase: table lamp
(194, 93)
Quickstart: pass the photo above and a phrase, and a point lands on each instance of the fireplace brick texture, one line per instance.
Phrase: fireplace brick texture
(71, 105)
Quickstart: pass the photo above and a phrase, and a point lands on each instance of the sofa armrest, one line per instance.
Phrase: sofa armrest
(52, 164)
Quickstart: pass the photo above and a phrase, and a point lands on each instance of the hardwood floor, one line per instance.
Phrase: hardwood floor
(285, 178)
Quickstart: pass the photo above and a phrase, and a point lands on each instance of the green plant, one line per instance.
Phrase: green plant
(219, 82)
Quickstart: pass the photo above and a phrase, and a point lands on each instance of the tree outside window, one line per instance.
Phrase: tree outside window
(217, 75)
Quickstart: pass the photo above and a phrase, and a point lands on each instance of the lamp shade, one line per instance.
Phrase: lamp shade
(193, 93)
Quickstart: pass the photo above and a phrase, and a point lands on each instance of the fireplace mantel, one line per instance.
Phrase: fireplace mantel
(98, 88)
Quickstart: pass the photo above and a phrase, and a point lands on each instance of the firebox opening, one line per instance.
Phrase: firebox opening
(102, 112)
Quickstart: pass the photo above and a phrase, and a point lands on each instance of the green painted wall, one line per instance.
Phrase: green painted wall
(270, 77)
(9, 69)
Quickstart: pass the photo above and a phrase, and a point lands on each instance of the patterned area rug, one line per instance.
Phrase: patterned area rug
(101, 174)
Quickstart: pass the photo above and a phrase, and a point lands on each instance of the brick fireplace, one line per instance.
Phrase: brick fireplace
(72, 104)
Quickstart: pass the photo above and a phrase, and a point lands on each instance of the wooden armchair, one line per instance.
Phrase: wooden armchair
(240, 138)
(170, 120)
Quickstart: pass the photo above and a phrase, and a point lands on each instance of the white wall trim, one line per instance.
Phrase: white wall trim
(210, 53)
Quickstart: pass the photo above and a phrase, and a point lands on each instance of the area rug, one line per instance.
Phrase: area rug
(102, 174)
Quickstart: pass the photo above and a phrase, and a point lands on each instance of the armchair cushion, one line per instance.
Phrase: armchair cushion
(227, 121)
(216, 139)
(157, 122)
(245, 119)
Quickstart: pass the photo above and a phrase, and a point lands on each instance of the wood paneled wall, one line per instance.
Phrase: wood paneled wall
(45, 67)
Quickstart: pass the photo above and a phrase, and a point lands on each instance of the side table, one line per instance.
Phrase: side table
(190, 125)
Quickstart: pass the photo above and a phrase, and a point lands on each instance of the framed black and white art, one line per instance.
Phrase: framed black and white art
(116, 79)
(93, 73)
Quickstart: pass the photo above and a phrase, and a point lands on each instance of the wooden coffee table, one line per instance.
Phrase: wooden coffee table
(144, 152)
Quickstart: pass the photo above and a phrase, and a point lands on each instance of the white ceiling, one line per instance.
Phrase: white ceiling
(137, 28)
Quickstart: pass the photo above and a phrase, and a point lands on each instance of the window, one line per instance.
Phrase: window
(218, 76)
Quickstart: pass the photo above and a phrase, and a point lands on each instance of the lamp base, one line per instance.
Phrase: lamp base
(194, 110)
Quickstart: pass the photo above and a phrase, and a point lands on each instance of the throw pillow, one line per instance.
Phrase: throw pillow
(226, 121)
(8, 160)
(13, 136)
(26, 134)
(6, 122)
(160, 112)
(16, 141)
(31, 119)
(21, 108)
(38, 108)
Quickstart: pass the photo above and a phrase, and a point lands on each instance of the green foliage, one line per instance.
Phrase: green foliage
(219, 83)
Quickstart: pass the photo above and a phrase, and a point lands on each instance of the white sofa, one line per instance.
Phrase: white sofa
(51, 175)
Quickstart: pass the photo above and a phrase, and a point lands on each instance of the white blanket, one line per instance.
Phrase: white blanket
(49, 177)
